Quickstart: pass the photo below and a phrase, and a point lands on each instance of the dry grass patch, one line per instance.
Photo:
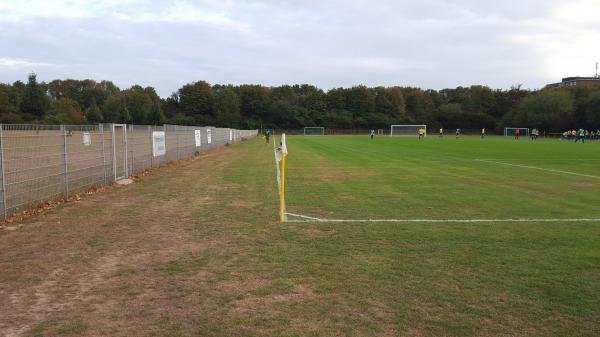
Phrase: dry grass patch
(315, 232)
(244, 204)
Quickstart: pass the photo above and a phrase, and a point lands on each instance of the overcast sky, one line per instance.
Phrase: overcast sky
(330, 43)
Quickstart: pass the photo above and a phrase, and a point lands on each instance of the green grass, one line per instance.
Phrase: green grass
(484, 279)
(401, 178)
(196, 249)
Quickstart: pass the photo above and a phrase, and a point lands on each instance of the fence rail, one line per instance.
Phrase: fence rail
(39, 163)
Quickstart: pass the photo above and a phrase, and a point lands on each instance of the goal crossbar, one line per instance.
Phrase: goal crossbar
(412, 128)
(314, 131)
(511, 131)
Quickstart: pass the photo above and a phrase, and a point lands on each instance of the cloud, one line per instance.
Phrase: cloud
(15, 63)
(428, 43)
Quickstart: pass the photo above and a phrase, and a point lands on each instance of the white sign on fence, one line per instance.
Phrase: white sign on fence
(230, 135)
(208, 136)
(198, 137)
(87, 139)
(159, 147)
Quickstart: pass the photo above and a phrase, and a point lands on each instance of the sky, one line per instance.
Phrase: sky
(432, 44)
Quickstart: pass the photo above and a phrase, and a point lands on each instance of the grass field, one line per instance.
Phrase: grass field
(195, 248)
(469, 178)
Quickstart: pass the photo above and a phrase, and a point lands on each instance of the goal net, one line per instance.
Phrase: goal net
(407, 130)
(508, 132)
(314, 131)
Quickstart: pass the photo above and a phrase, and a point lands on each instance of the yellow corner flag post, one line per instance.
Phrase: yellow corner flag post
(283, 152)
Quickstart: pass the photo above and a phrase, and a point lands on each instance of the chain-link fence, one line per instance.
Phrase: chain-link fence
(44, 162)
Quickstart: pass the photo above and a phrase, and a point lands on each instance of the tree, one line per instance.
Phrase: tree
(419, 104)
(170, 106)
(549, 109)
(93, 113)
(227, 108)
(255, 102)
(138, 104)
(336, 99)
(115, 109)
(360, 100)
(591, 108)
(35, 102)
(196, 101)
(155, 115)
(64, 111)
(390, 102)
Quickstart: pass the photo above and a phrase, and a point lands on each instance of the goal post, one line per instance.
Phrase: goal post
(314, 131)
(510, 131)
(407, 130)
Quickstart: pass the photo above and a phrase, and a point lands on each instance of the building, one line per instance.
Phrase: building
(576, 82)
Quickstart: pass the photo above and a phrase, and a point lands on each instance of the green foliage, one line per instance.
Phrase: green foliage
(546, 109)
(196, 101)
(227, 108)
(591, 109)
(93, 114)
(254, 101)
(138, 104)
(296, 106)
(64, 111)
(34, 102)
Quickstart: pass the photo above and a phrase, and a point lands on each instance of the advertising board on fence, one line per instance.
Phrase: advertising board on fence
(198, 137)
(159, 147)
(87, 139)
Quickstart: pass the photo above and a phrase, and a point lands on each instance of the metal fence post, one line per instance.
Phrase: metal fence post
(101, 127)
(178, 151)
(151, 147)
(113, 152)
(126, 149)
(64, 134)
(3, 176)
(132, 167)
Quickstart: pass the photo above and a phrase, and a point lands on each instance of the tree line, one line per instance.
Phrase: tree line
(295, 106)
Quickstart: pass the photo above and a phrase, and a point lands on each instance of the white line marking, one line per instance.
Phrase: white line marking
(277, 166)
(278, 177)
(540, 168)
(314, 219)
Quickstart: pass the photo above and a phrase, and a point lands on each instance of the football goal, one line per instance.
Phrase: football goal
(407, 130)
(314, 131)
(513, 131)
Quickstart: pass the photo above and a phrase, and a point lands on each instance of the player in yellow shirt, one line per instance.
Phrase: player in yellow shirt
(421, 133)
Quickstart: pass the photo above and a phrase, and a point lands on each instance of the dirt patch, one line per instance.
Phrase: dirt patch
(314, 232)
(243, 204)
(335, 175)
(102, 263)
(251, 303)
(224, 187)
(243, 285)
(203, 200)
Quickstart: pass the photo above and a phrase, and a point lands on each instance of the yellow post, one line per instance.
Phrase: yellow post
(282, 192)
